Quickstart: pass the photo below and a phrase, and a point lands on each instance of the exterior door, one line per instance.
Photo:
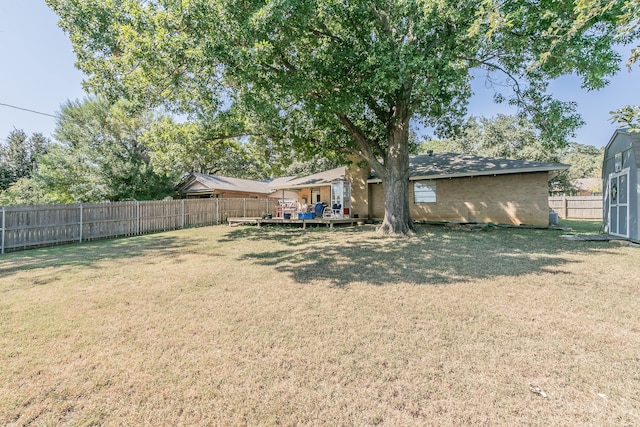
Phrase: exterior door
(619, 203)
(315, 196)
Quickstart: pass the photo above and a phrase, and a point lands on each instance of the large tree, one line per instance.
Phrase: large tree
(341, 76)
(503, 136)
(178, 148)
(19, 155)
(626, 14)
(100, 155)
(513, 137)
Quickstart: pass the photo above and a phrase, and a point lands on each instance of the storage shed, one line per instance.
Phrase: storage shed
(620, 176)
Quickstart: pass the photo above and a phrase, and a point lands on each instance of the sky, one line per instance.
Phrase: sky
(37, 72)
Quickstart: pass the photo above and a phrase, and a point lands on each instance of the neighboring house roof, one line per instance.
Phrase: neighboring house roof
(316, 180)
(453, 165)
(203, 183)
(587, 184)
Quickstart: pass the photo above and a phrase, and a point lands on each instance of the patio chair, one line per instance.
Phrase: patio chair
(328, 213)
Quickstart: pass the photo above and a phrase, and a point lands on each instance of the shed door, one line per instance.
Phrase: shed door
(619, 203)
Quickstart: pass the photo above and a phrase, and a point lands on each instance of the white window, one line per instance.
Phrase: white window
(424, 192)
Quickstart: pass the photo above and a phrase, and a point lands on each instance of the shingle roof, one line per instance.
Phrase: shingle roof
(440, 165)
(452, 165)
(315, 180)
(200, 182)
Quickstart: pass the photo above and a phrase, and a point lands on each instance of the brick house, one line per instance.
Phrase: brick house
(447, 187)
(444, 187)
(466, 188)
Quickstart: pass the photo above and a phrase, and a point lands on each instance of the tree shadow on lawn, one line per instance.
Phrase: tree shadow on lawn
(87, 254)
(435, 256)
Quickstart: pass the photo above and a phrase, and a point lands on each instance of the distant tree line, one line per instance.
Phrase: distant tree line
(104, 151)
(512, 137)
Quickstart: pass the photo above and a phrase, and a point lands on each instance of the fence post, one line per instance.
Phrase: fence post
(217, 212)
(244, 208)
(80, 222)
(565, 211)
(182, 213)
(4, 213)
(137, 217)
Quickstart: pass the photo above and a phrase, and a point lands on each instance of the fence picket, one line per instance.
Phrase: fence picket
(577, 207)
(25, 227)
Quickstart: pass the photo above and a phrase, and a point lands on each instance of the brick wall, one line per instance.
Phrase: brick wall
(359, 188)
(504, 199)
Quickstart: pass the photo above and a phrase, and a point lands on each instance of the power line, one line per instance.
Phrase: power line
(28, 110)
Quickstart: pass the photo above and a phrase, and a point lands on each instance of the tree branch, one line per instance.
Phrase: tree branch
(364, 145)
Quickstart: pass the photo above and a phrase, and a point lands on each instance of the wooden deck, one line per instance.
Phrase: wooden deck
(330, 222)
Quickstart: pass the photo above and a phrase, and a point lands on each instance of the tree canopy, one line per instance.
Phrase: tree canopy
(513, 137)
(19, 156)
(98, 156)
(627, 18)
(504, 136)
(341, 77)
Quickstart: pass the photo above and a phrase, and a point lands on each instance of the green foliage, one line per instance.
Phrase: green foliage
(585, 160)
(99, 156)
(178, 148)
(512, 137)
(625, 15)
(327, 76)
(311, 166)
(19, 156)
(102, 155)
(27, 191)
(508, 137)
(628, 116)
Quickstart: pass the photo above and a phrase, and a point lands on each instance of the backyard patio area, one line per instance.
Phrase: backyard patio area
(274, 326)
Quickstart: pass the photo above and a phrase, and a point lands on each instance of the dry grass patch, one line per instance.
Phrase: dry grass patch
(272, 326)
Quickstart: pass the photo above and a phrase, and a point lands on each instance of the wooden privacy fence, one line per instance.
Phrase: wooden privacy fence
(577, 207)
(26, 227)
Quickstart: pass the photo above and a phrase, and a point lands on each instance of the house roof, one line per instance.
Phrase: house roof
(440, 165)
(453, 165)
(587, 184)
(316, 180)
(203, 183)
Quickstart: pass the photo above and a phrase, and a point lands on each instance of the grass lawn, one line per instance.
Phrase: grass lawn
(276, 326)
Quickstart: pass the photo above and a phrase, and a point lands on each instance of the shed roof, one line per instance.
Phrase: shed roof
(621, 140)
(454, 165)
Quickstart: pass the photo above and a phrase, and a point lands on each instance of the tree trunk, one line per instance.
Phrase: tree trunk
(395, 180)
(390, 161)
